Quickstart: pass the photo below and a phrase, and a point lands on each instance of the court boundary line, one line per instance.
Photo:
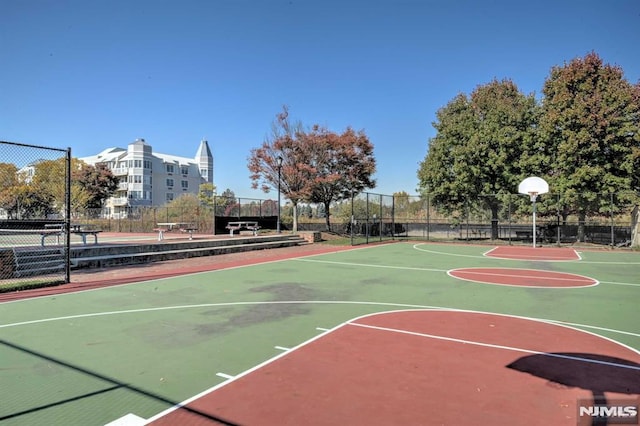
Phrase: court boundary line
(351, 322)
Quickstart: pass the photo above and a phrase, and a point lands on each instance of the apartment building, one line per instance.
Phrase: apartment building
(152, 179)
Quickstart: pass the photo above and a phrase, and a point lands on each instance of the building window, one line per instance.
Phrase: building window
(184, 170)
(137, 178)
(137, 163)
(185, 184)
(170, 168)
(147, 164)
(170, 183)
(169, 196)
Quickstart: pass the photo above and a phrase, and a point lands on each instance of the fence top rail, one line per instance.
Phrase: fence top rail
(36, 146)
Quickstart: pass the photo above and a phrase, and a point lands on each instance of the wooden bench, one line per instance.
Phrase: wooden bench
(243, 226)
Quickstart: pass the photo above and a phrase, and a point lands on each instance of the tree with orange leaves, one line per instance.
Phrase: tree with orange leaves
(317, 166)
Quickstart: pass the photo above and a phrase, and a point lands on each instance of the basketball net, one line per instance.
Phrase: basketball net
(533, 196)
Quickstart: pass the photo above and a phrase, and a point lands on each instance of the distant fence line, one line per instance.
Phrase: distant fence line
(385, 216)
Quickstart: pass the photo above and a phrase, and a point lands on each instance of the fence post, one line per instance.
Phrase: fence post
(509, 217)
(613, 241)
(393, 217)
(352, 218)
(558, 216)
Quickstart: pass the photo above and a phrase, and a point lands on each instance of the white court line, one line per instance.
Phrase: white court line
(225, 376)
(490, 345)
(293, 302)
(234, 378)
(142, 281)
(282, 348)
(419, 248)
(370, 265)
(408, 268)
(615, 283)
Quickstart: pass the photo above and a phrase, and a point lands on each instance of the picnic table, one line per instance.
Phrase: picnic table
(240, 226)
(54, 230)
(81, 229)
(163, 227)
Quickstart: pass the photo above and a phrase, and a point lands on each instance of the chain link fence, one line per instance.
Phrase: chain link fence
(34, 215)
(605, 219)
(601, 219)
(370, 217)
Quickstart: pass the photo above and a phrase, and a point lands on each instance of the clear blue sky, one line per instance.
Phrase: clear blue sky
(92, 74)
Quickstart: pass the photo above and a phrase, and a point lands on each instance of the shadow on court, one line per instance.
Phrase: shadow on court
(592, 372)
(111, 385)
(596, 373)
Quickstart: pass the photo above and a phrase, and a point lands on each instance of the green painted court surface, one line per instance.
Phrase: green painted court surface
(92, 357)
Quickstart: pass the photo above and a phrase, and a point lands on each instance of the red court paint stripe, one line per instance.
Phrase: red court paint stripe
(522, 277)
(531, 253)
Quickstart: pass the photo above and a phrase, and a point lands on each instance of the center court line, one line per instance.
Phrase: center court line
(369, 265)
(490, 345)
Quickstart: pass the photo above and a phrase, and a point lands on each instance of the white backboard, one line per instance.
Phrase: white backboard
(533, 185)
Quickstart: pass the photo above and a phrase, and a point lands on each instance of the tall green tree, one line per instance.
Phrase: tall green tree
(590, 118)
(206, 194)
(97, 182)
(474, 159)
(90, 185)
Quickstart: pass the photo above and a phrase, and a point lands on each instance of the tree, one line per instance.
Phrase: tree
(317, 166)
(90, 185)
(590, 118)
(294, 174)
(206, 192)
(474, 159)
(98, 182)
(8, 183)
(227, 203)
(343, 164)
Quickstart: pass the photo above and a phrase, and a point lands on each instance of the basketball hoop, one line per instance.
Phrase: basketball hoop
(533, 186)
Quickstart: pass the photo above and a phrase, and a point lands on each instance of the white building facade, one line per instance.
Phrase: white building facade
(152, 179)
